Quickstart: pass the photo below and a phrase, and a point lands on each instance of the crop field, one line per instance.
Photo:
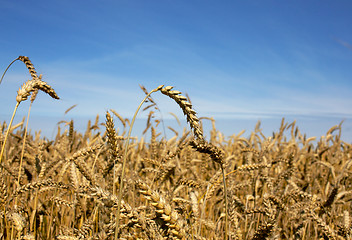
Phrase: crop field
(104, 184)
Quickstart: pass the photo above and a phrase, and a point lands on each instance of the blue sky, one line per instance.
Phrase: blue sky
(239, 61)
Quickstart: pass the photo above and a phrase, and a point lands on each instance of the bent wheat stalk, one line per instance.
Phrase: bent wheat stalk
(125, 158)
(2, 77)
(26, 61)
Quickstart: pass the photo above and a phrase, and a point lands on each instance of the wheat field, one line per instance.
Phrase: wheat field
(105, 184)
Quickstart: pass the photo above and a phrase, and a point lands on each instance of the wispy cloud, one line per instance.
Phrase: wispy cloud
(344, 43)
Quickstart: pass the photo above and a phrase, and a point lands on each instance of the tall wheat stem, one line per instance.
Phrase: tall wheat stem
(22, 152)
(23, 146)
(125, 158)
(226, 204)
(8, 130)
(3, 147)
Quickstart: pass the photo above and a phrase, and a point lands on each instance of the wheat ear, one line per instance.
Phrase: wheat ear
(186, 108)
(33, 85)
(263, 232)
(112, 143)
(29, 65)
(162, 208)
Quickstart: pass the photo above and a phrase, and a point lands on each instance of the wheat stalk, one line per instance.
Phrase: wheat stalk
(125, 158)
